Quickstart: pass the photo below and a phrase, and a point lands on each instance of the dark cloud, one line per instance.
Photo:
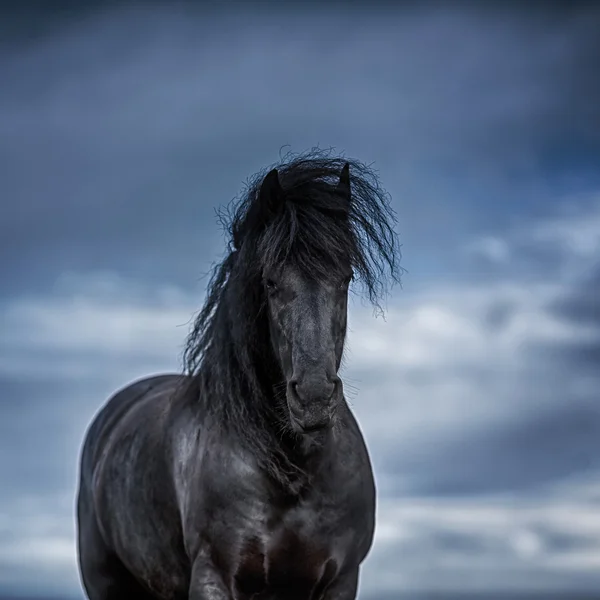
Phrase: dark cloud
(498, 316)
(456, 542)
(562, 542)
(122, 128)
(581, 357)
(578, 305)
(582, 304)
(519, 457)
(39, 450)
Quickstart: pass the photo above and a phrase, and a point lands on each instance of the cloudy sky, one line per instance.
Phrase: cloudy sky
(121, 130)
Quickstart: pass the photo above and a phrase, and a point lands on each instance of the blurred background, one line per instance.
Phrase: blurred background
(124, 125)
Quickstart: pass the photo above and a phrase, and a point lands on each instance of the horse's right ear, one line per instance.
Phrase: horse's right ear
(270, 193)
(343, 186)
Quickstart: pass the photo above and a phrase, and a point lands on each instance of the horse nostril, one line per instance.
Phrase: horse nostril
(335, 386)
(294, 388)
(329, 391)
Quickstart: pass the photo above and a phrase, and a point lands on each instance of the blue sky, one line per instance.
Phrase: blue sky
(120, 132)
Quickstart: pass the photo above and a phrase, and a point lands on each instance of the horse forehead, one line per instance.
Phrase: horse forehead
(294, 277)
(303, 283)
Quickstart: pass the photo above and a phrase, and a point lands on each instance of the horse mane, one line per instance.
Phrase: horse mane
(228, 352)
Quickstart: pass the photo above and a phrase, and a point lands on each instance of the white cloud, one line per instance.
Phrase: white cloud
(511, 544)
(93, 326)
(576, 229)
(494, 248)
(437, 367)
(39, 550)
(434, 368)
(572, 233)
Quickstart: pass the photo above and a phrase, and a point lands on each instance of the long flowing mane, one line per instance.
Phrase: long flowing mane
(228, 352)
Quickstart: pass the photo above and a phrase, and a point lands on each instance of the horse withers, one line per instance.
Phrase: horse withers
(247, 477)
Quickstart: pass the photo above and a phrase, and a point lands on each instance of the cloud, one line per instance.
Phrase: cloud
(91, 325)
(564, 245)
(492, 248)
(119, 133)
(581, 305)
(484, 442)
(122, 119)
(37, 545)
(501, 544)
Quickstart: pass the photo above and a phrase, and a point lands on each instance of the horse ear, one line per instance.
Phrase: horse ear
(343, 186)
(270, 193)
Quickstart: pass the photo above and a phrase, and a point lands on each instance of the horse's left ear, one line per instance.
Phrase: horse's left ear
(343, 186)
(270, 193)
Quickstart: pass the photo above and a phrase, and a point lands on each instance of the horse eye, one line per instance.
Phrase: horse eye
(271, 285)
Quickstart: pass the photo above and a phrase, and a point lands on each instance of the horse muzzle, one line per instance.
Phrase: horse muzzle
(312, 403)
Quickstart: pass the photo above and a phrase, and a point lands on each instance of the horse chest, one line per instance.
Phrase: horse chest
(285, 562)
(299, 556)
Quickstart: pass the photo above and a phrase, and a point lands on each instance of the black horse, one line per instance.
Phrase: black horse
(248, 476)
